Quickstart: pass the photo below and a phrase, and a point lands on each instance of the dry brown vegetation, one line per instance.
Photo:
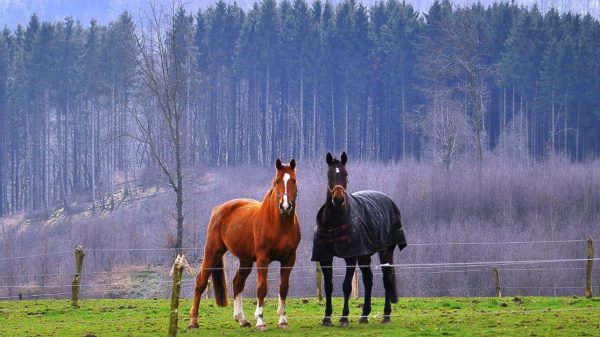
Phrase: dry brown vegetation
(552, 200)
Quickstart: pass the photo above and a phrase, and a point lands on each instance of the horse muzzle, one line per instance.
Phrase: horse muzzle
(286, 208)
(338, 201)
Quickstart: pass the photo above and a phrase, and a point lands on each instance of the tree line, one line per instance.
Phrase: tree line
(293, 79)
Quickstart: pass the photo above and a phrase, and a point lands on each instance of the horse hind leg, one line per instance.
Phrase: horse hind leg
(239, 281)
(364, 264)
(212, 257)
(201, 283)
(389, 282)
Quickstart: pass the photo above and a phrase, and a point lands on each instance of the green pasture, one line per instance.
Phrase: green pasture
(523, 316)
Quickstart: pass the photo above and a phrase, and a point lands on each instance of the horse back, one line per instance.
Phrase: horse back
(380, 214)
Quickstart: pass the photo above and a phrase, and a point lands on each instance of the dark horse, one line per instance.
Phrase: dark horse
(253, 231)
(354, 227)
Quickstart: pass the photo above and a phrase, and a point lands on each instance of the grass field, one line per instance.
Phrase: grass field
(526, 316)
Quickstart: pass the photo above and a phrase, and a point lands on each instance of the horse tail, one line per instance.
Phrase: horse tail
(219, 283)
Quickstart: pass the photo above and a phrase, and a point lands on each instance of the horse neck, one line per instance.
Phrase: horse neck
(333, 216)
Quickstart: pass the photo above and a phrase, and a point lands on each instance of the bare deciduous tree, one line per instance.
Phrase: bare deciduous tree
(444, 127)
(163, 80)
(466, 42)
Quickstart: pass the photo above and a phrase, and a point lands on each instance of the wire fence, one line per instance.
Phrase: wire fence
(187, 249)
(415, 278)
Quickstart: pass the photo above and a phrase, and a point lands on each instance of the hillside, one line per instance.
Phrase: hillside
(128, 246)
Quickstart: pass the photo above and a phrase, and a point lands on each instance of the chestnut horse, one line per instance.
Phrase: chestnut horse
(253, 231)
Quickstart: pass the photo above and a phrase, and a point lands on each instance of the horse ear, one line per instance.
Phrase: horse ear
(329, 158)
(344, 158)
(293, 164)
(278, 164)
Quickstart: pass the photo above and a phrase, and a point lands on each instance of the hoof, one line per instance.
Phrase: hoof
(244, 323)
(261, 327)
(344, 321)
(283, 326)
(363, 320)
(386, 320)
(193, 325)
(326, 322)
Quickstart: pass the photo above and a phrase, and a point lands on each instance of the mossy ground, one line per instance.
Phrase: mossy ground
(526, 316)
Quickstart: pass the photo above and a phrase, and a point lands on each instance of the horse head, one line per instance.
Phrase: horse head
(337, 179)
(284, 184)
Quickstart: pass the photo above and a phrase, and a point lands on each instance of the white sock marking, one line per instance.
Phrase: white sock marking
(281, 311)
(285, 204)
(259, 316)
(238, 309)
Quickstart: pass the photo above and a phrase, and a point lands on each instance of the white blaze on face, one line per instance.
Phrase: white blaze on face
(281, 311)
(337, 170)
(259, 316)
(286, 178)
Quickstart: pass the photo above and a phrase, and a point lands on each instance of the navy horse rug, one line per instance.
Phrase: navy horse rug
(370, 224)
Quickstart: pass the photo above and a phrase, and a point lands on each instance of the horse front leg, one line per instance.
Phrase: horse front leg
(347, 287)
(364, 264)
(262, 265)
(284, 282)
(328, 281)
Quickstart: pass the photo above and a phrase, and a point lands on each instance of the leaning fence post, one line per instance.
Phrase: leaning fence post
(319, 281)
(75, 285)
(355, 285)
(177, 271)
(588, 270)
(496, 272)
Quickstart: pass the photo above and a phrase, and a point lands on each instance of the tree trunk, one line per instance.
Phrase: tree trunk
(268, 119)
(333, 118)
(346, 130)
(301, 116)
(314, 119)
(552, 124)
(566, 129)
(403, 121)
(93, 127)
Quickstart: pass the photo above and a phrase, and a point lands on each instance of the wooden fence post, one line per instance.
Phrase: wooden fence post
(75, 285)
(177, 271)
(319, 282)
(588, 270)
(355, 285)
(496, 272)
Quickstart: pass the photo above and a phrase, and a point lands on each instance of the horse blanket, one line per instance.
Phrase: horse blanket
(371, 224)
